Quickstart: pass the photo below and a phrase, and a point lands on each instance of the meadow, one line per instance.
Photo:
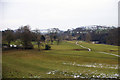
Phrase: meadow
(66, 60)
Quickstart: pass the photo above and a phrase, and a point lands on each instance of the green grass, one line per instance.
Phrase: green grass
(34, 63)
(101, 47)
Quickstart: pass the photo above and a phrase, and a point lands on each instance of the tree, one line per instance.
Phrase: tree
(55, 37)
(88, 37)
(118, 36)
(25, 36)
(58, 41)
(112, 37)
(37, 35)
(8, 36)
(42, 38)
(51, 38)
(53, 34)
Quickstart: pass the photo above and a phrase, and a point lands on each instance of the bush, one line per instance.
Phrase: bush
(47, 47)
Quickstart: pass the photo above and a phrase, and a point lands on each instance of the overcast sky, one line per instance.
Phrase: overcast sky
(62, 14)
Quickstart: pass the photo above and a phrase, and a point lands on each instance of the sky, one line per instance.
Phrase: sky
(62, 14)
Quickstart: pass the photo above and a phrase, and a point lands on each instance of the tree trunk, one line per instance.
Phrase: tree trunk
(9, 44)
(38, 45)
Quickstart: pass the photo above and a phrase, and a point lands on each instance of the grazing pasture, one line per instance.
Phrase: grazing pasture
(66, 60)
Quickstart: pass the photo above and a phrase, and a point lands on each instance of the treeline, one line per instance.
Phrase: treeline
(107, 36)
(24, 36)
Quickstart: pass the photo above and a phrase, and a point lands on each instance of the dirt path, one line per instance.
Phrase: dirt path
(99, 52)
(110, 54)
(83, 46)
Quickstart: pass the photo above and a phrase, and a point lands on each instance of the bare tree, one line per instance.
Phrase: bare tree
(25, 36)
(88, 37)
(37, 37)
(113, 37)
(53, 32)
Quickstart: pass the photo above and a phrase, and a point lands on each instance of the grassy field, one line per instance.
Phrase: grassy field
(66, 60)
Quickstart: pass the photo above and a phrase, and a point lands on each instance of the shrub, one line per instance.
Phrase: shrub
(47, 47)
